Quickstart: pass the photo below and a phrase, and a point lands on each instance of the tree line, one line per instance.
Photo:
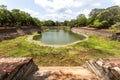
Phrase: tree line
(98, 18)
(16, 18)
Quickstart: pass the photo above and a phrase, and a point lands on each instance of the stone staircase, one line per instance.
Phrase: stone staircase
(106, 69)
(25, 69)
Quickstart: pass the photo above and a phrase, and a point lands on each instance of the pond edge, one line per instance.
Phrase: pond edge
(30, 39)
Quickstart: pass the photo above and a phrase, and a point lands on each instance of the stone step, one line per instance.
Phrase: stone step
(107, 69)
(16, 68)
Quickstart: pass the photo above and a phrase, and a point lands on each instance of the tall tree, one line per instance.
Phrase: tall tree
(5, 16)
(4, 7)
(81, 20)
(65, 23)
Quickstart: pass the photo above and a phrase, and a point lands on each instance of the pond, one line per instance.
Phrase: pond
(58, 37)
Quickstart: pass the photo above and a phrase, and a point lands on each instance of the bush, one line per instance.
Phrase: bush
(97, 24)
(103, 24)
(116, 27)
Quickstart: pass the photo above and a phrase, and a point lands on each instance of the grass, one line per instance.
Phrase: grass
(74, 55)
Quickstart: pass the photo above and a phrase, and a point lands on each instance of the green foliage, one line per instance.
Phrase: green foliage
(5, 17)
(72, 23)
(99, 24)
(4, 7)
(16, 18)
(116, 27)
(81, 20)
(65, 23)
(36, 22)
(104, 18)
(48, 23)
(90, 21)
(95, 12)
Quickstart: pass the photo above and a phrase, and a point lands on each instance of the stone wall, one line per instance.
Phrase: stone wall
(11, 33)
(93, 32)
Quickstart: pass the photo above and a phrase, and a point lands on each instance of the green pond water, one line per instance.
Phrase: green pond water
(58, 37)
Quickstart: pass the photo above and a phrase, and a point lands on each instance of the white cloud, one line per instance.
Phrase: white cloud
(60, 10)
(97, 4)
(85, 12)
(56, 17)
(56, 5)
(3, 3)
(68, 11)
(64, 9)
(117, 2)
(31, 12)
(49, 16)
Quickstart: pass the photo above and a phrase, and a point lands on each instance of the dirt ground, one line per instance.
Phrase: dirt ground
(63, 73)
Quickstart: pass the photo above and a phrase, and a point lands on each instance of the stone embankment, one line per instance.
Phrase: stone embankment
(92, 31)
(10, 33)
(98, 32)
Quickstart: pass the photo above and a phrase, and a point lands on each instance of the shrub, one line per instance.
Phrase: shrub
(102, 24)
(97, 24)
(116, 27)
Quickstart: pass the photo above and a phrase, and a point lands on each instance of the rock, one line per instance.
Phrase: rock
(16, 68)
(107, 69)
(116, 36)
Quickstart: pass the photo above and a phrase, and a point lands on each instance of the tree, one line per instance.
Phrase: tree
(25, 19)
(115, 11)
(48, 23)
(104, 18)
(95, 12)
(81, 20)
(36, 22)
(4, 7)
(65, 23)
(16, 18)
(6, 17)
(72, 23)
(22, 18)
(92, 16)
(102, 24)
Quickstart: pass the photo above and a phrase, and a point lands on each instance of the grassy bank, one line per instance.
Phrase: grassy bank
(74, 55)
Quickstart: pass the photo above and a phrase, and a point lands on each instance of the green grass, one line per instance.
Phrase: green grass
(74, 55)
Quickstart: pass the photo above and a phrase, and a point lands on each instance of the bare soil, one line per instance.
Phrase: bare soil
(63, 73)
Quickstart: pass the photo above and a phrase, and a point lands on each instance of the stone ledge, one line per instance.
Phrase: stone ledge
(16, 68)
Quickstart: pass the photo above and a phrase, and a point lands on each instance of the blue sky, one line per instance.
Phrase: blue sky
(59, 10)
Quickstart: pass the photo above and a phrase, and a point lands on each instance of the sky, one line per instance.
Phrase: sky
(58, 10)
